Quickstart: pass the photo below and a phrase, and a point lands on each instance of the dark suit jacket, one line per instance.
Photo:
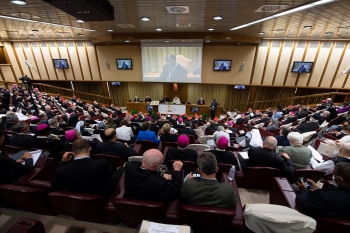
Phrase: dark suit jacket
(84, 176)
(181, 154)
(21, 140)
(177, 74)
(213, 105)
(166, 99)
(179, 127)
(306, 127)
(290, 120)
(263, 120)
(50, 114)
(210, 128)
(265, 157)
(148, 185)
(330, 202)
(11, 171)
(113, 148)
(188, 131)
(53, 145)
(168, 137)
(228, 158)
(148, 100)
(201, 102)
(302, 114)
(57, 131)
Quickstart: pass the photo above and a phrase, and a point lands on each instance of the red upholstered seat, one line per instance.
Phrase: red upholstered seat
(312, 174)
(147, 145)
(259, 177)
(114, 160)
(169, 144)
(210, 132)
(10, 150)
(27, 225)
(187, 166)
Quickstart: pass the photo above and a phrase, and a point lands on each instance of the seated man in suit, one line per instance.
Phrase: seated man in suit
(211, 127)
(48, 112)
(168, 136)
(11, 120)
(227, 157)
(201, 101)
(330, 202)
(290, 119)
(282, 139)
(22, 137)
(165, 99)
(181, 153)
(221, 132)
(188, 130)
(180, 124)
(53, 123)
(42, 141)
(265, 118)
(79, 173)
(148, 99)
(298, 154)
(307, 127)
(267, 157)
(206, 190)
(321, 117)
(143, 180)
(112, 147)
(301, 113)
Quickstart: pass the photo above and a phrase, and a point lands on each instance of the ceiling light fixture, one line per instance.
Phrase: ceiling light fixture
(80, 21)
(35, 30)
(208, 41)
(329, 33)
(300, 8)
(80, 34)
(159, 29)
(18, 2)
(166, 41)
(307, 27)
(36, 21)
(211, 29)
(218, 17)
(127, 41)
(261, 33)
(144, 18)
(110, 30)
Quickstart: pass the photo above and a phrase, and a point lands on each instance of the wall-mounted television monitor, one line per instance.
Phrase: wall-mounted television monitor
(239, 87)
(149, 108)
(195, 110)
(60, 63)
(124, 64)
(222, 65)
(302, 67)
(116, 83)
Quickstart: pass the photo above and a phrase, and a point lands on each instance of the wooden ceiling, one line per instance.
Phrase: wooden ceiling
(332, 18)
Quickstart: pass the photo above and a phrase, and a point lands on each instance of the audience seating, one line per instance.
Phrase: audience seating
(114, 160)
(138, 148)
(205, 138)
(327, 135)
(27, 225)
(264, 133)
(135, 158)
(199, 132)
(199, 148)
(281, 193)
(169, 144)
(192, 139)
(187, 166)
(223, 168)
(85, 207)
(259, 177)
(10, 150)
(312, 174)
(210, 132)
(147, 145)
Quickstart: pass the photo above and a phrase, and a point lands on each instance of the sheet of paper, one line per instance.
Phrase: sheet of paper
(162, 228)
(35, 154)
(318, 157)
(244, 155)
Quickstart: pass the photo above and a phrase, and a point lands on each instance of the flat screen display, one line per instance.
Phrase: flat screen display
(222, 65)
(173, 63)
(239, 87)
(124, 64)
(194, 110)
(60, 63)
(302, 67)
(149, 108)
(116, 83)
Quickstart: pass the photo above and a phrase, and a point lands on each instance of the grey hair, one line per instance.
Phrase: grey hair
(220, 128)
(207, 163)
(270, 142)
(295, 137)
(11, 118)
(52, 121)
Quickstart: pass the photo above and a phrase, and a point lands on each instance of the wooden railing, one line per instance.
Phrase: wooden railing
(306, 100)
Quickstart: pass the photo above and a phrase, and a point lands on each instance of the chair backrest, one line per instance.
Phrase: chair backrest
(187, 167)
(135, 158)
(114, 160)
(312, 174)
(205, 138)
(223, 168)
(10, 150)
(85, 207)
(199, 132)
(27, 225)
(210, 132)
(169, 144)
(287, 125)
(259, 125)
(192, 139)
(147, 145)
(259, 177)
(308, 135)
(265, 133)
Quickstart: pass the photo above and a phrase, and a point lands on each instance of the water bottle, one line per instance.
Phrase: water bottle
(231, 174)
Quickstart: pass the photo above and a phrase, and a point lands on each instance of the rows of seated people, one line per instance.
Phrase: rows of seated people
(118, 134)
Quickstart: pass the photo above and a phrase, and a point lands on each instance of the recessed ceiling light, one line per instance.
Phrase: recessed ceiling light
(80, 34)
(110, 30)
(159, 29)
(208, 41)
(166, 41)
(211, 29)
(144, 18)
(19, 2)
(80, 21)
(261, 33)
(329, 33)
(218, 17)
(307, 27)
(127, 41)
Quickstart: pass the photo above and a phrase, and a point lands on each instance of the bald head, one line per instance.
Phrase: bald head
(110, 134)
(151, 159)
(270, 142)
(345, 150)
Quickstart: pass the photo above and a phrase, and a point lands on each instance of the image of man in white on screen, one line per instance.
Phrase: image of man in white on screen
(173, 71)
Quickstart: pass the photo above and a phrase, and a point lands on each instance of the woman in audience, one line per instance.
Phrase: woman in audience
(146, 134)
(168, 136)
(110, 124)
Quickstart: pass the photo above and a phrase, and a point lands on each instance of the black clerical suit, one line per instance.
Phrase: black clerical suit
(290, 120)
(141, 183)
(114, 148)
(84, 176)
(148, 100)
(188, 131)
(201, 102)
(265, 157)
(228, 157)
(11, 171)
(307, 127)
(213, 107)
(168, 137)
(50, 114)
(165, 99)
(181, 154)
(178, 73)
(21, 140)
(136, 99)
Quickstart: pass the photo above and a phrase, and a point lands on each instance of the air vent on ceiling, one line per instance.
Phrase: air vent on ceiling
(183, 25)
(178, 9)
(278, 30)
(125, 25)
(24, 15)
(271, 8)
(347, 28)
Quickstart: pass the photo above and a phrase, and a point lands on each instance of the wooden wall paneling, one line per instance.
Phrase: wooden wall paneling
(83, 60)
(37, 67)
(241, 54)
(13, 60)
(40, 64)
(22, 57)
(55, 53)
(309, 56)
(271, 65)
(278, 62)
(7, 73)
(234, 98)
(90, 88)
(2, 74)
(73, 66)
(79, 60)
(297, 56)
(208, 92)
(326, 65)
(266, 62)
(283, 65)
(315, 61)
(339, 80)
(35, 71)
(333, 63)
(260, 62)
(303, 77)
(62, 51)
(337, 73)
(289, 63)
(93, 60)
(36, 53)
(320, 64)
(120, 94)
(254, 63)
(47, 59)
(154, 90)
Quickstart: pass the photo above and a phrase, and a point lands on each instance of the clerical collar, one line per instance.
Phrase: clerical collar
(81, 157)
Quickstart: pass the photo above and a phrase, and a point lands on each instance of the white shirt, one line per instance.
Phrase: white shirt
(124, 133)
(176, 101)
